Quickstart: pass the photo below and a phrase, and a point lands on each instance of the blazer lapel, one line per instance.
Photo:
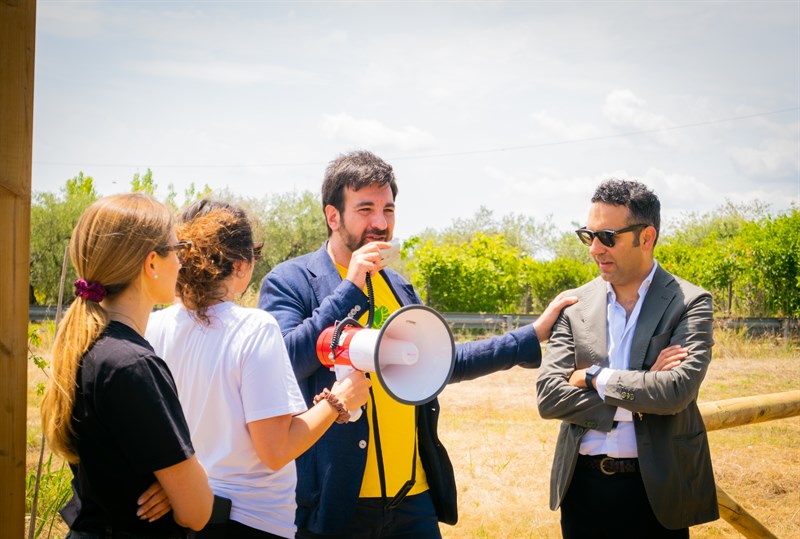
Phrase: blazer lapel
(655, 304)
(324, 275)
(593, 315)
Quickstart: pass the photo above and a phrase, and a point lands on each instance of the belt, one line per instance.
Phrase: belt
(608, 465)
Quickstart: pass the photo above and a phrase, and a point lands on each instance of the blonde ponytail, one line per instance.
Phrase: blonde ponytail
(83, 323)
(108, 246)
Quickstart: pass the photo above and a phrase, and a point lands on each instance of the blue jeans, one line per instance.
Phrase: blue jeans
(414, 518)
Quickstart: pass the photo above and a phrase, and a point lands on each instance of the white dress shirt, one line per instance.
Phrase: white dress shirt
(620, 442)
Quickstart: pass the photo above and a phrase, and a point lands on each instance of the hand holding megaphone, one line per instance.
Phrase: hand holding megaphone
(391, 253)
(352, 389)
(369, 259)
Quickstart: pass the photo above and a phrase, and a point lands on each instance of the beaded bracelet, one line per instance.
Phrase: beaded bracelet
(333, 400)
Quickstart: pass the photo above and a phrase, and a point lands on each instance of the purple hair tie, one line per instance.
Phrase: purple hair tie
(93, 292)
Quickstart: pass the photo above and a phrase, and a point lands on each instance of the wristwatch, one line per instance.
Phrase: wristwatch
(591, 372)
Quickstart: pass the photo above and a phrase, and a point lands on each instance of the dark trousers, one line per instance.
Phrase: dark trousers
(232, 530)
(111, 534)
(600, 506)
(414, 518)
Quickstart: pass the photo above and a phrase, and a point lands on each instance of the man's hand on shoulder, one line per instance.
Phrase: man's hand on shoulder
(544, 324)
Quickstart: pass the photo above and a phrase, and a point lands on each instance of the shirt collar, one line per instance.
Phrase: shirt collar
(643, 288)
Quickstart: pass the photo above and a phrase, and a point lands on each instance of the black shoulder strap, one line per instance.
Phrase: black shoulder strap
(408, 485)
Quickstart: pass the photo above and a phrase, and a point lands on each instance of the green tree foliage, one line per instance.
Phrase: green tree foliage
(292, 224)
(53, 216)
(569, 246)
(747, 259)
(546, 279)
(481, 276)
(190, 194)
(529, 236)
(774, 261)
(289, 224)
(144, 183)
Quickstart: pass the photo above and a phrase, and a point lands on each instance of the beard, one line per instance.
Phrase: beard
(355, 242)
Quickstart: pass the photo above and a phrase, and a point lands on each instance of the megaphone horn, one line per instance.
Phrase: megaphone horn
(413, 354)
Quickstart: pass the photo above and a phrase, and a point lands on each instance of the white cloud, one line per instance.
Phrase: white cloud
(626, 111)
(226, 72)
(561, 129)
(679, 191)
(774, 159)
(566, 197)
(77, 20)
(373, 134)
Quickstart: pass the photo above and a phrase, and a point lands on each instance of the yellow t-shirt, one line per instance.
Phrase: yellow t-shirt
(395, 420)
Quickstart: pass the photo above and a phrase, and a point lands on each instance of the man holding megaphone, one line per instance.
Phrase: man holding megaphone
(385, 474)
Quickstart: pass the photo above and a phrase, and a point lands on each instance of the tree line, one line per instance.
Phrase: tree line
(747, 257)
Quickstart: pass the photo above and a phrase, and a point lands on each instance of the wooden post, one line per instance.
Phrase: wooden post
(17, 40)
(747, 410)
(738, 517)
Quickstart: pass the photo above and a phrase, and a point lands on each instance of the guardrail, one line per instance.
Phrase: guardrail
(504, 322)
(39, 313)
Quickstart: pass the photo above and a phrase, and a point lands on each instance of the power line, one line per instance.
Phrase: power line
(437, 155)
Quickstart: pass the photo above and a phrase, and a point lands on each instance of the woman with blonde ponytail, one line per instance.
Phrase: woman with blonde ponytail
(111, 408)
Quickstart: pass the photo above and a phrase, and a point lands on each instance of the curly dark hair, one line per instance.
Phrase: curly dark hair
(221, 234)
(640, 200)
(354, 170)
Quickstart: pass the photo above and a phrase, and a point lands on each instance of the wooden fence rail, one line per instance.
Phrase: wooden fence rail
(745, 411)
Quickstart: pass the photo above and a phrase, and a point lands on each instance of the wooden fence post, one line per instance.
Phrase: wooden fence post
(738, 517)
(746, 411)
(17, 41)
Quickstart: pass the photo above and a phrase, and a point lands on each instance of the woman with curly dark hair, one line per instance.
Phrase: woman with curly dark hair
(246, 414)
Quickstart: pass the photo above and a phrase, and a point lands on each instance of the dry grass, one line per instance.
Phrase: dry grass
(502, 450)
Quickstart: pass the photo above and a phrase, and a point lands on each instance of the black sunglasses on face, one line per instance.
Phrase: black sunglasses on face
(606, 237)
(181, 248)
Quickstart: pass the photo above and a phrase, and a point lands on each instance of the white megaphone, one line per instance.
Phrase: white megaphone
(413, 353)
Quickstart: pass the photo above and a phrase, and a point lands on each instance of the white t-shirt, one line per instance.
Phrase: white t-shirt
(228, 374)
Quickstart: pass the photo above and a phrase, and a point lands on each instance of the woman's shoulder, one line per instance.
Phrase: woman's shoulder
(160, 317)
(121, 351)
(251, 316)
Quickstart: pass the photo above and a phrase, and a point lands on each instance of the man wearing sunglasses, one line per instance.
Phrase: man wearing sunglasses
(622, 371)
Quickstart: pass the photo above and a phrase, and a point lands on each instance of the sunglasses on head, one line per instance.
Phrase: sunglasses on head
(181, 248)
(606, 237)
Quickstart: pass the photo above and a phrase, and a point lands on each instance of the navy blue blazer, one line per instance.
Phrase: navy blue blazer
(307, 295)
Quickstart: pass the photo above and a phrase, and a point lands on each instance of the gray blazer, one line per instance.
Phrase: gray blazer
(670, 435)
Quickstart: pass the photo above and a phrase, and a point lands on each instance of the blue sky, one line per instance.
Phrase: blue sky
(521, 107)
